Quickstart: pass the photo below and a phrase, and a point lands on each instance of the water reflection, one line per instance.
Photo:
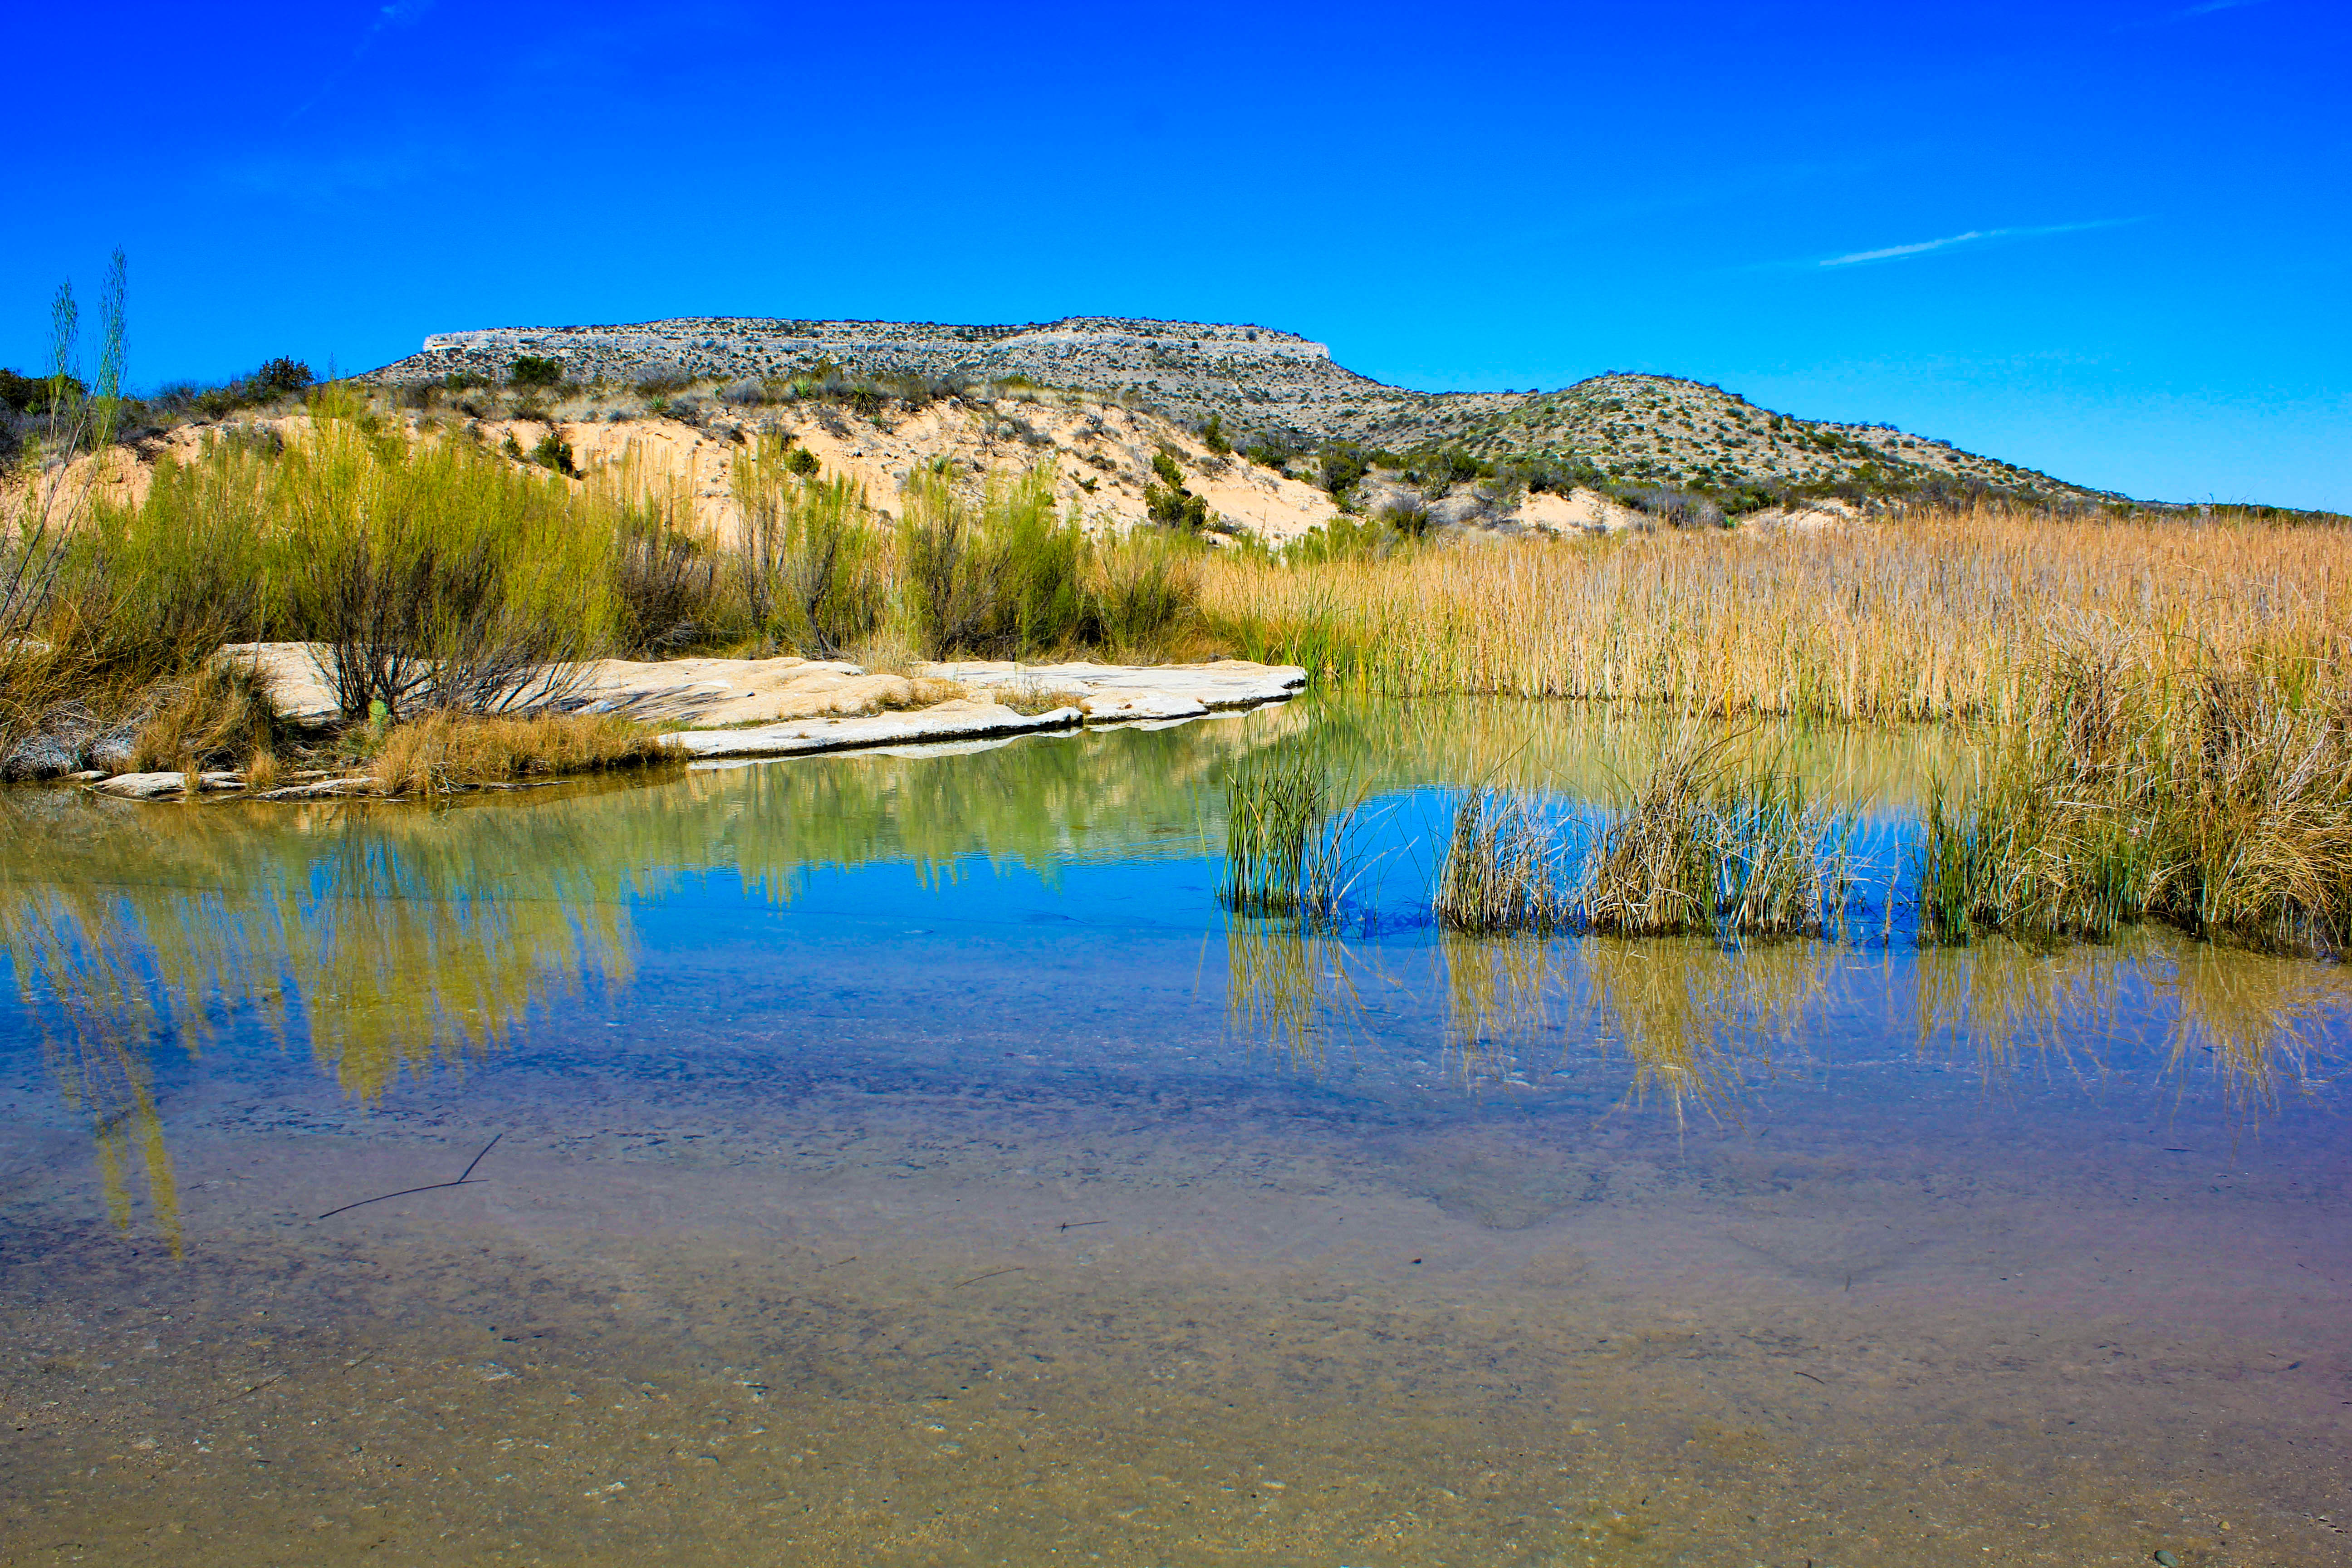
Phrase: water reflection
(393, 941)
(1697, 1025)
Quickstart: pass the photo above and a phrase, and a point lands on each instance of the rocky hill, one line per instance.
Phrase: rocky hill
(1261, 384)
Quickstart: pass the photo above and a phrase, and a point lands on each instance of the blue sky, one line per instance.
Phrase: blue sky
(2109, 240)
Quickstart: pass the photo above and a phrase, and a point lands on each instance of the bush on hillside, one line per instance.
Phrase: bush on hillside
(1168, 502)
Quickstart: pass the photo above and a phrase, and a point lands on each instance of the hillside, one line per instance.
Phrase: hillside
(1262, 385)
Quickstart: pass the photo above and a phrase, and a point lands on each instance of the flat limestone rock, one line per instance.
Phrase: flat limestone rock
(157, 786)
(1129, 707)
(320, 789)
(1222, 683)
(963, 718)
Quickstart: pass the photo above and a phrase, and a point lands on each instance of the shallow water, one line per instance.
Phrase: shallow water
(902, 1159)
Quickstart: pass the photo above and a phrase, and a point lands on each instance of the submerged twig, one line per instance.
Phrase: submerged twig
(465, 1179)
(991, 1274)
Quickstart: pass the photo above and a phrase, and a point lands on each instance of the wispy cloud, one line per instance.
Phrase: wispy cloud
(399, 14)
(1973, 236)
(325, 182)
(2185, 14)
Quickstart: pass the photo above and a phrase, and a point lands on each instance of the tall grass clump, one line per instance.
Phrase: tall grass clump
(1705, 844)
(2221, 803)
(223, 717)
(1701, 844)
(1505, 869)
(1290, 845)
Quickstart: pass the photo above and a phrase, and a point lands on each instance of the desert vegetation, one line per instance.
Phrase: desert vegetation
(2151, 708)
(439, 577)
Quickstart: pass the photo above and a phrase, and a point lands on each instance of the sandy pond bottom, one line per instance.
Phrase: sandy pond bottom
(921, 1220)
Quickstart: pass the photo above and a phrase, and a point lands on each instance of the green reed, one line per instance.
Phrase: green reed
(1290, 847)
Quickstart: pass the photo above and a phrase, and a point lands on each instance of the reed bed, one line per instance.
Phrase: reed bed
(1705, 844)
(2221, 805)
(1931, 615)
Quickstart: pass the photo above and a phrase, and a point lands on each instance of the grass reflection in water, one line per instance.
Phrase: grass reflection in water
(1702, 1025)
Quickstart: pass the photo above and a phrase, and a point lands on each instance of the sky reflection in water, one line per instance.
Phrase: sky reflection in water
(922, 1124)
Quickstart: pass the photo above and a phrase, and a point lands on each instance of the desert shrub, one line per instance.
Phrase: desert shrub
(665, 582)
(534, 370)
(1166, 500)
(1444, 467)
(1271, 451)
(744, 394)
(1007, 581)
(281, 377)
(31, 393)
(1679, 508)
(802, 461)
(1407, 518)
(952, 583)
(1046, 602)
(1339, 466)
(1213, 436)
(1143, 588)
(553, 453)
(1344, 538)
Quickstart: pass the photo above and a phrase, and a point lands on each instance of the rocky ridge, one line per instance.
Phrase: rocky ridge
(1261, 383)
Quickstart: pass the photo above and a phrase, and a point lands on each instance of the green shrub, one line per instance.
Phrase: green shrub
(533, 370)
(1213, 436)
(31, 393)
(1167, 502)
(280, 377)
(1271, 452)
(800, 460)
(1343, 463)
(553, 452)
(806, 563)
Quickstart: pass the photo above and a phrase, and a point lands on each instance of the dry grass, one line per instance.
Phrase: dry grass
(220, 718)
(2222, 804)
(1934, 615)
(1505, 868)
(444, 752)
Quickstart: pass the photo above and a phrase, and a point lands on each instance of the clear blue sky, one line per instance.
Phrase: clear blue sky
(2105, 239)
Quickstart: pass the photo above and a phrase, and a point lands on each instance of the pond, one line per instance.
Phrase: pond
(903, 1158)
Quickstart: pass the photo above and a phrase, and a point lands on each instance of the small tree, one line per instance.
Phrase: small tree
(533, 370)
(1213, 436)
(280, 377)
